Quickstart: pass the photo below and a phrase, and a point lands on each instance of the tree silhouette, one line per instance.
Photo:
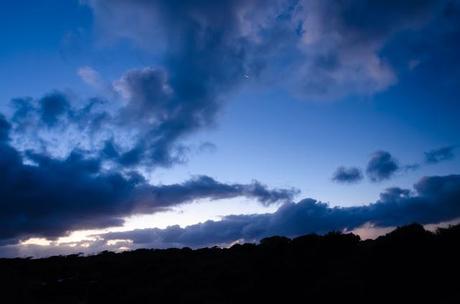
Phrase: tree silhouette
(409, 265)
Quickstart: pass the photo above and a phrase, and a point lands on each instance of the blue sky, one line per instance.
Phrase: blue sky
(265, 99)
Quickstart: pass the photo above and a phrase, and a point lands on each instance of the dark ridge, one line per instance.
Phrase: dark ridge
(408, 265)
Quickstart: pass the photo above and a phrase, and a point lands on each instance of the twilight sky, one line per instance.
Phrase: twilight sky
(160, 123)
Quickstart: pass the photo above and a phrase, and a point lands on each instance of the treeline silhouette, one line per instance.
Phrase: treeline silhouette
(408, 265)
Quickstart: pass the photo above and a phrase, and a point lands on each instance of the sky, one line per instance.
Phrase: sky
(154, 123)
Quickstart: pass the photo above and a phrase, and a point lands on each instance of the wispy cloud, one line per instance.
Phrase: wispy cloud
(440, 155)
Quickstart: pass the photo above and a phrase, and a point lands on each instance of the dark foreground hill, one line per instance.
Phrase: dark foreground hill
(408, 265)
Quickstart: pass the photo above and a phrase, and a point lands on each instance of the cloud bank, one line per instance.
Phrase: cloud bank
(49, 197)
(435, 199)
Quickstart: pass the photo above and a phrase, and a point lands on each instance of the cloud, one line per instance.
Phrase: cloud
(75, 157)
(56, 124)
(347, 175)
(207, 49)
(207, 147)
(49, 110)
(143, 129)
(148, 94)
(204, 57)
(162, 111)
(52, 108)
(436, 199)
(91, 77)
(4, 129)
(440, 155)
(334, 47)
(43, 196)
(381, 166)
(206, 187)
(411, 167)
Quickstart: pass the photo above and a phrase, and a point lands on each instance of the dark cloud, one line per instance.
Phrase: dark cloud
(162, 111)
(204, 57)
(149, 95)
(49, 109)
(381, 166)
(145, 130)
(411, 167)
(204, 186)
(432, 51)
(50, 197)
(347, 175)
(56, 125)
(382, 17)
(440, 155)
(52, 107)
(436, 199)
(4, 129)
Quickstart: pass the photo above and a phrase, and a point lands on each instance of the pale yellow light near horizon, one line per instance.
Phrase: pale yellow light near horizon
(185, 215)
(190, 214)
